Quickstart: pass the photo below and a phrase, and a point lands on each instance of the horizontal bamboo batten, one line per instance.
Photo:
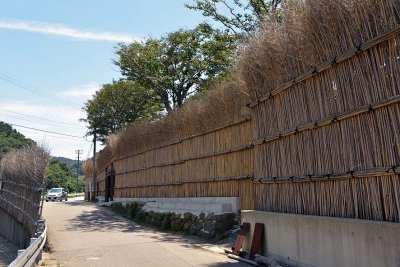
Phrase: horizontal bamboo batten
(219, 179)
(214, 167)
(233, 150)
(327, 121)
(377, 171)
(28, 200)
(243, 189)
(187, 138)
(32, 188)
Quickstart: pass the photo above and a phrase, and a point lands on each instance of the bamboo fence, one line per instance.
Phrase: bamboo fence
(329, 143)
(22, 202)
(23, 173)
(324, 134)
(210, 164)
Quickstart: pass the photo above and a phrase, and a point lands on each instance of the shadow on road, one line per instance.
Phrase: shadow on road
(229, 264)
(92, 218)
(104, 220)
(100, 219)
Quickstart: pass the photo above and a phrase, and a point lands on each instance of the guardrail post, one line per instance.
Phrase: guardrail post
(33, 253)
(32, 240)
(39, 257)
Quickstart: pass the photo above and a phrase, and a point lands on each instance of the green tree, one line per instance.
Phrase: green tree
(11, 139)
(59, 174)
(117, 104)
(75, 185)
(73, 163)
(179, 64)
(239, 17)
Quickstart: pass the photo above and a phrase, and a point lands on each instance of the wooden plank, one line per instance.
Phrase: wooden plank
(257, 238)
(240, 238)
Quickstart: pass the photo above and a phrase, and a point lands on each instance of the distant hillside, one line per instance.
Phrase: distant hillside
(73, 163)
(11, 138)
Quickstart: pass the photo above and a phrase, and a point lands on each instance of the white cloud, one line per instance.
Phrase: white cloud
(55, 118)
(84, 91)
(63, 30)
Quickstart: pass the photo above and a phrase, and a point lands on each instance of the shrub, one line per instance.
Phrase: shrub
(118, 208)
(140, 216)
(132, 209)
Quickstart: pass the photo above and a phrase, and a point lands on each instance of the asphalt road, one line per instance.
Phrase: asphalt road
(82, 234)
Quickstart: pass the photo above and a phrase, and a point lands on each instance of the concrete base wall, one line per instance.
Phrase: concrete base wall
(195, 205)
(301, 240)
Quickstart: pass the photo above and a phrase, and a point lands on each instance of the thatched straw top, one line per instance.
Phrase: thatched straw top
(222, 104)
(312, 32)
(26, 166)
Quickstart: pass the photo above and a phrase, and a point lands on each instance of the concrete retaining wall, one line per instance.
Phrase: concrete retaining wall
(301, 240)
(195, 205)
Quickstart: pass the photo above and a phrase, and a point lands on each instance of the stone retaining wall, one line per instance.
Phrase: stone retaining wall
(206, 225)
(195, 205)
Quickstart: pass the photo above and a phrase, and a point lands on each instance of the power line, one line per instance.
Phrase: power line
(40, 118)
(35, 90)
(48, 135)
(40, 130)
(39, 122)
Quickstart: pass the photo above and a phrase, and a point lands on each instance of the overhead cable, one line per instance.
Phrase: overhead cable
(35, 90)
(40, 130)
(40, 118)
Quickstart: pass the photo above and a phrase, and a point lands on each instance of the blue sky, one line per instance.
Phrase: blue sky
(65, 49)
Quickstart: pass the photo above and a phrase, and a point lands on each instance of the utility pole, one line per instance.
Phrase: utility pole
(91, 189)
(79, 152)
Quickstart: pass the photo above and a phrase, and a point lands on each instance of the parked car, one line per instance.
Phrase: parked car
(57, 194)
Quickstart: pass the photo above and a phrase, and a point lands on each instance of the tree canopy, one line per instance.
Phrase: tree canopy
(72, 163)
(239, 17)
(179, 64)
(117, 104)
(11, 139)
(160, 74)
(60, 174)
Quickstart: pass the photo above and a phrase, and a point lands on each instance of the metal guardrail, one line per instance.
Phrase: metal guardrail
(28, 256)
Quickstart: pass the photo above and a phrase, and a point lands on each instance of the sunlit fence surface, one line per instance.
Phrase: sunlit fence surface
(322, 132)
(22, 173)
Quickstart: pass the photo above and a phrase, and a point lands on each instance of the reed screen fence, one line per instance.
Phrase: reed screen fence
(326, 143)
(21, 202)
(212, 164)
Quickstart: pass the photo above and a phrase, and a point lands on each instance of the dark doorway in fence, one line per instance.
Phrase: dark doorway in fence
(109, 185)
